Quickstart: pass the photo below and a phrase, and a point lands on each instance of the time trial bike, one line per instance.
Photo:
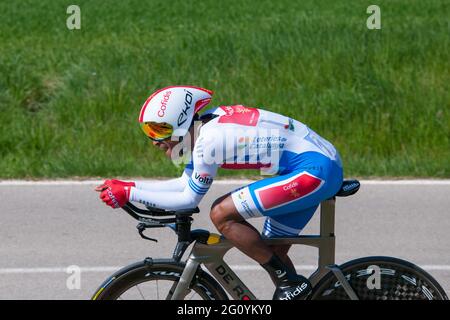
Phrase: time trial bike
(368, 278)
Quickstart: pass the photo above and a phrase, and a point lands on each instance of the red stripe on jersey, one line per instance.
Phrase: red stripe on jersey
(293, 189)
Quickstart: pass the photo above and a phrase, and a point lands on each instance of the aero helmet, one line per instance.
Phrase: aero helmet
(170, 111)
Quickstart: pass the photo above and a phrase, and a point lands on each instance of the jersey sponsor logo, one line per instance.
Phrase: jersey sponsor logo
(243, 142)
(165, 99)
(290, 186)
(196, 188)
(182, 118)
(289, 190)
(240, 115)
(244, 203)
(290, 126)
(261, 142)
(246, 208)
(203, 178)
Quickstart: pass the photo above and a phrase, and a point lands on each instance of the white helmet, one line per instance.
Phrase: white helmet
(169, 111)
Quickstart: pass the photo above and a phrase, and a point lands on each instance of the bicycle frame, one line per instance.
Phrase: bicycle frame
(211, 255)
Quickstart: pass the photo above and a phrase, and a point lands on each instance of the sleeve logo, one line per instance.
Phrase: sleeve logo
(203, 178)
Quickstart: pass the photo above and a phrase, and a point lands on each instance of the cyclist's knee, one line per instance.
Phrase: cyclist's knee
(221, 214)
(217, 213)
(220, 218)
(219, 201)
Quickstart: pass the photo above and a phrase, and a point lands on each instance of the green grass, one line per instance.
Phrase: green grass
(69, 100)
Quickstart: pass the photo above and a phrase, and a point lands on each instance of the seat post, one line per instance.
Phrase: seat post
(327, 217)
(327, 244)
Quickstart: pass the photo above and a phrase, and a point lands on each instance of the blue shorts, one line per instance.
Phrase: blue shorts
(288, 201)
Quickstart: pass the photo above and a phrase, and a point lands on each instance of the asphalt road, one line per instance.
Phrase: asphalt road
(46, 228)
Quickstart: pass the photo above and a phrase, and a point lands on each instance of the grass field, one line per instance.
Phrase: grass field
(69, 100)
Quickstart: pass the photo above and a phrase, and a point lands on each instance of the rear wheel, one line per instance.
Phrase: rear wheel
(395, 279)
(157, 281)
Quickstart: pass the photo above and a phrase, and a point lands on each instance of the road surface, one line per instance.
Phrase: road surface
(47, 227)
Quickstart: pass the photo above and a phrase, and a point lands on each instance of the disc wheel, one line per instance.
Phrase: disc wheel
(380, 278)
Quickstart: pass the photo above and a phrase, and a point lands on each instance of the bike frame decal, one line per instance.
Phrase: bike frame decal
(230, 281)
(213, 238)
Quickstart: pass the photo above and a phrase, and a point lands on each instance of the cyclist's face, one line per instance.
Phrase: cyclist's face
(166, 146)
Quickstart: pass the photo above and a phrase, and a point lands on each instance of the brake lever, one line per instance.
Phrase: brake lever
(141, 228)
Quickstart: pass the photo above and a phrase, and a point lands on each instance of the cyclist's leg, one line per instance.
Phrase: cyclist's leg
(242, 234)
(228, 213)
(289, 200)
(287, 225)
(232, 209)
(295, 196)
(276, 196)
(272, 197)
(288, 195)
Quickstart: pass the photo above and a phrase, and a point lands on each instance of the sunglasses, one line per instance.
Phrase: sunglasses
(157, 131)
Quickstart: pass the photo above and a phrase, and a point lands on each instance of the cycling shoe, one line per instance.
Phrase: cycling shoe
(296, 288)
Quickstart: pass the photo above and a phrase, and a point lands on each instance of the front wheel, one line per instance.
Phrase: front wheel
(156, 281)
(380, 278)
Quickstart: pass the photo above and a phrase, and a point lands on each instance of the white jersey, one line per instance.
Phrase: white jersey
(236, 137)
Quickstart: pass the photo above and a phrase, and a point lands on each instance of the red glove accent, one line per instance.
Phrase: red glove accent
(116, 196)
(108, 183)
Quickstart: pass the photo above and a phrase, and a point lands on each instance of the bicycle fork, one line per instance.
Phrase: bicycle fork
(182, 288)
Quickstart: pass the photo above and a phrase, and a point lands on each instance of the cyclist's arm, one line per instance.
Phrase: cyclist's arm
(190, 196)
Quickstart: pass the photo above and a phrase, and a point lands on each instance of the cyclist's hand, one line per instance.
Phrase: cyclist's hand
(110, 182)
(115, 196)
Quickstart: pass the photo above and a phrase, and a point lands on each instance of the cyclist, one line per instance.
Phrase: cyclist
(306, 168)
